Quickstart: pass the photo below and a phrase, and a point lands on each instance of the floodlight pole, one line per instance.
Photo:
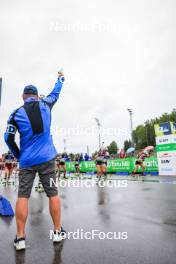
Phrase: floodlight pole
(99, 131)
(130, 111)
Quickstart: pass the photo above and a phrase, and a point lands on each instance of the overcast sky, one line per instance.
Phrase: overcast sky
(115, 54)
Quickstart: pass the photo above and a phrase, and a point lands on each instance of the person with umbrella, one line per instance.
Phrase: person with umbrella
(130, 151)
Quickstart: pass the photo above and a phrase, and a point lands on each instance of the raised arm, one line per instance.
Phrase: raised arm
(52, 98)
(9, 136)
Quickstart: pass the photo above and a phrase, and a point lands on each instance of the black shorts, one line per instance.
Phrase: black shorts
(46, 173)
(99, 162)
(8, 166)
(62, 163)
(106, 163)
(139, 162)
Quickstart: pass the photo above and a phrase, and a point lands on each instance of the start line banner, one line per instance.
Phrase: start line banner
(116, 165)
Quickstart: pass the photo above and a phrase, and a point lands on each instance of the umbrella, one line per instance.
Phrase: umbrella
(149, 148)
(5, 207)
(130, 150)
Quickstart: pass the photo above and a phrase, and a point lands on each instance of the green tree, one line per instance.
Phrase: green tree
(144, 134)
(139, 137)
(127, 144)
(113, 148)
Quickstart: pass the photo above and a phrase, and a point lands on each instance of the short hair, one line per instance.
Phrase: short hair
(26, 96)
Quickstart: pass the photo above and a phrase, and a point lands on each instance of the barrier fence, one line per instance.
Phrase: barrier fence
(126, 165)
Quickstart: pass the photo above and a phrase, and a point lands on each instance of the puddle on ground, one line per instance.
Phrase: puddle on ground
(169, 222)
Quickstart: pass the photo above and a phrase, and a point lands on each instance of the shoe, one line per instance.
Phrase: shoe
(4, 181)
(59, 236)
(40, 189)
(20, 243)
(9, 182)
(133, 174)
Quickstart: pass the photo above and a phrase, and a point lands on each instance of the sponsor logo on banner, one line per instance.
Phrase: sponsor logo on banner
(163, 140)
(166, 147)
(168, 128)
(163, 129)
(167, 163)
(165, 155)
(173, 128)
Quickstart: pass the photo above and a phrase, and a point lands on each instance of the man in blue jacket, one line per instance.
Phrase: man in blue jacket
(36, 155)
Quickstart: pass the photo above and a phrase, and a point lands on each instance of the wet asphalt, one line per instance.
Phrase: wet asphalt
(144, 211)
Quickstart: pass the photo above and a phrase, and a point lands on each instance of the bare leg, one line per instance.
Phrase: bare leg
(136, 169)
(98, 172)
(65, 171)
(55, 211)
(6, 174)
(60, 171)
(104, 170)
(21, 215)
(57, 173)
(143, 168)
(9, 174)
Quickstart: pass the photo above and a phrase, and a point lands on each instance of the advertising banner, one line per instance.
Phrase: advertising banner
(173, 128)
(120, 165)
(116, 165)
(167, 163)
(150, 163)
(166, 148)
(163, 129)
(169, 139)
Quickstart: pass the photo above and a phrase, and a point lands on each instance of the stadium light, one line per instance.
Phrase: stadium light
(99, 131)
(130, 111)
(65, 142)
